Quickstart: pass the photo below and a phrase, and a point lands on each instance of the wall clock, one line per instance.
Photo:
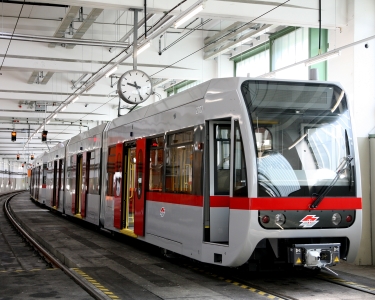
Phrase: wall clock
(134, 87)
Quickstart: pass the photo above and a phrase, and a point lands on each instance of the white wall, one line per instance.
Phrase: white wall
(355, 70)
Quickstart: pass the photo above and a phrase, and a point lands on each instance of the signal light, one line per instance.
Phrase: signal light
(349, 218)
(14, 136)
(18, 157)
(32, 157)
(265, 219)
(44, 135)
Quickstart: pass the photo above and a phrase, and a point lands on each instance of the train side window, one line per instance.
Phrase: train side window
(94, 172)
(222, 159)
(111, 164)
(156, 164)
(179, 162)
(263, 138)
(240, 178)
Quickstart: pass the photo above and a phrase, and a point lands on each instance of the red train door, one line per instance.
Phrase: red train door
(140, 186)
(117, 188)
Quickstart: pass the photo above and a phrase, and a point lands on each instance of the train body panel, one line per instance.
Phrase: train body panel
(83, 156)
(234, 170)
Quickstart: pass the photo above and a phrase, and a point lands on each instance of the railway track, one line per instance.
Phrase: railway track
(49, 258)
(278, 285)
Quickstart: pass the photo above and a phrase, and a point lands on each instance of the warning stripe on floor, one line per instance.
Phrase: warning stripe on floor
(95, 283)
(31, 270)
(244, 286)
(343, 282)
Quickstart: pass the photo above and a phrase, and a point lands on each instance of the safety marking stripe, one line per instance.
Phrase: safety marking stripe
(351, 284)
(31, 270)
(95, 283)
(259, 292)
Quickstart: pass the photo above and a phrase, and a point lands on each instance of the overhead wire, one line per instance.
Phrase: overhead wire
(125, 51)
(14, 29)
(230, 32)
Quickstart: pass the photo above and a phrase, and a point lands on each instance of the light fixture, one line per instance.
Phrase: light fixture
(63, 108)
(322, 57)
(338, 101)
(269, 75)
(300, 139)
(14, 136)
(18, 157)
(143, 48)
(90, 87)
(111, 71)
(44, 135)
(49, 120)
(75, 99)
(192, 13)
(54, 115)
(32, 157)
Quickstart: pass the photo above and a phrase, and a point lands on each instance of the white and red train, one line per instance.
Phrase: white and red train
(232, 171)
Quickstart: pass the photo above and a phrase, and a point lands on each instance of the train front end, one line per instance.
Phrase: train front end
(308, 196)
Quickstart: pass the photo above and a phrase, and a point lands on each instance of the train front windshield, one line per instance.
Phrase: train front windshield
(303, 136)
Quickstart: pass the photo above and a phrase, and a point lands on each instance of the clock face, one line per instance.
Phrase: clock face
(134, 87)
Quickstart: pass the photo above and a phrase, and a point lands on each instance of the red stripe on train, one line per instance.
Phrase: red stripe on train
(182, 199)
(292, 203)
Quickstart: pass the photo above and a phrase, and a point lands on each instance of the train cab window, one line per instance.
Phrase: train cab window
(263, 138)
(179, 161)
(240, 178)
(222, 158)
(156, 164)
(111, 166)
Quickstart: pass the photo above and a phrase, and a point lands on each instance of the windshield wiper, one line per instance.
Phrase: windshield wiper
(325, 190)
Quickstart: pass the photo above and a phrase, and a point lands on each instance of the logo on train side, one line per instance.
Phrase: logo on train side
(162, 212)
(309, 221)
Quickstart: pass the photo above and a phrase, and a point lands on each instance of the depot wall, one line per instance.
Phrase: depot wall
(354, 69)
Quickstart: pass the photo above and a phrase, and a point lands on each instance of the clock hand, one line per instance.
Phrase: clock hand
(135, 85)
(132, 85)
(140, 97)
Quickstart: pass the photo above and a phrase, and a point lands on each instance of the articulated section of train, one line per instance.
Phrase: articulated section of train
(230, 172)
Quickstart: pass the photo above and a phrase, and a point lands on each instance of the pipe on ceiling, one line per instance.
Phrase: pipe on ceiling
(48, 39)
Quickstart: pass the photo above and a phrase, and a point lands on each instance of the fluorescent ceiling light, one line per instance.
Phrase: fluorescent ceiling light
(322, 57)
(48, 121)
(192, 13)
(75, 99)
(143, 48)
(269, 75)
(63, 108)
(300, 139)
(54, 115)
(90, 87)
(338, 101)
(111, 71)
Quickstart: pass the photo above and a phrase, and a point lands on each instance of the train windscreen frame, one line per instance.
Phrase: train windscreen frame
(303, 138)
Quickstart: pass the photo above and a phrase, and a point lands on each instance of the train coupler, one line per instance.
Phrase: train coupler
(314, 255)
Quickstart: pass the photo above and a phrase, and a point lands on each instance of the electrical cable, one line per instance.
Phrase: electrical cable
(14, 29)
(167, 67)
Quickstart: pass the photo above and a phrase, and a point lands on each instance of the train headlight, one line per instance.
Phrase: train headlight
(349, 218)
(336, 219)
(280, 219)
